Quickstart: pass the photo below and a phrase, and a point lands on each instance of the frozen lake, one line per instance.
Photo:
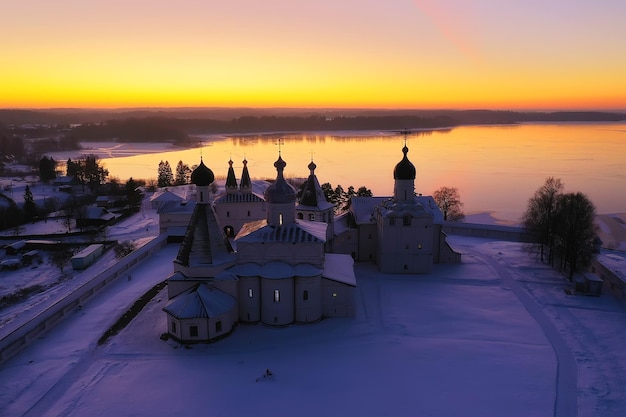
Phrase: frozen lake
(496, 168)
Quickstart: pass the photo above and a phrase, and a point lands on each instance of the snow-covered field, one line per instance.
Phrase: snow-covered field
(494, 336)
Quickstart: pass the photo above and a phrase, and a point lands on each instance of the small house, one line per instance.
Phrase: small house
(30, 257)
(15, 247)
(95, 217)
(12, 263)
(87, 256)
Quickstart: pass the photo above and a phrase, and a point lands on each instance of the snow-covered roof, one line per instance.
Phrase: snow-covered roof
(93, 213)
(363, 208)
(429, 204)
(201, 301)
(339, 267)
(342, 223)
(177, 207)
(165, 195)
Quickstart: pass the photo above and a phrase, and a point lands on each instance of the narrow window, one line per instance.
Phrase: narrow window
(248, 213)
(324, 217)
(193, 331)
(228, 214)
(405, 267)
(250, 293)
(305, 295)
(276, 296)
(280, 218)
(173, 327)
(419, 246)
(218, 326)
(201, 196)
(311, 216)
(392, 221)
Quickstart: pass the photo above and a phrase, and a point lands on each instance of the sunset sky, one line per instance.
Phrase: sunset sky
(503, 54)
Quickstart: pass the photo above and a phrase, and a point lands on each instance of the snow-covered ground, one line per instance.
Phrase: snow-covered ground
(494, 336)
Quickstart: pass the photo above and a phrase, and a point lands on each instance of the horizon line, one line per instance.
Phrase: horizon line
(318, 108)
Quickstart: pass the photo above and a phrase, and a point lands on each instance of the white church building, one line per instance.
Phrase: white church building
(278, 275)
(277, 260)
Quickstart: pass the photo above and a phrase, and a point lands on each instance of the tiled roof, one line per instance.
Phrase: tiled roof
(300, 231)
(204, 241)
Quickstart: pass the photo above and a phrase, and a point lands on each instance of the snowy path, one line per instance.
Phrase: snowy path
(566, 404)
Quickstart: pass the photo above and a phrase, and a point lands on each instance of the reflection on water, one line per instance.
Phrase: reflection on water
(496, 168)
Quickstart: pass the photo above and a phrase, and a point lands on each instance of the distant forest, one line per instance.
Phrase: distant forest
(177, 125)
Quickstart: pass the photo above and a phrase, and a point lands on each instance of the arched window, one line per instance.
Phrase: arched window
(276, 296)
(312, 216)
(300, 216)
(406, 220)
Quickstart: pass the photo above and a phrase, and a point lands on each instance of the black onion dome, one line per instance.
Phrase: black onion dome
(280, 191)
(202, 175)
(404, 170)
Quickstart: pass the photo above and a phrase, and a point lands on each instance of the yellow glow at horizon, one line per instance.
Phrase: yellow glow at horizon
(107, 75)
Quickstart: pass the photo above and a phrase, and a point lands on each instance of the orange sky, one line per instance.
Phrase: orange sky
(560, 54)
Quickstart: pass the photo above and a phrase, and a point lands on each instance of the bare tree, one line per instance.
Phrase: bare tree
(539, 217)
(574, 233)
(449, 201)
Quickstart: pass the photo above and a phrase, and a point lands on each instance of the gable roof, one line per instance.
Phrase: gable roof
(165, 195)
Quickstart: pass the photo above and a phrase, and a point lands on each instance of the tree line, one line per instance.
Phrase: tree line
(172, 129)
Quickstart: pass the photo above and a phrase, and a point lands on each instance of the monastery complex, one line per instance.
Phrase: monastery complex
(280, 259)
